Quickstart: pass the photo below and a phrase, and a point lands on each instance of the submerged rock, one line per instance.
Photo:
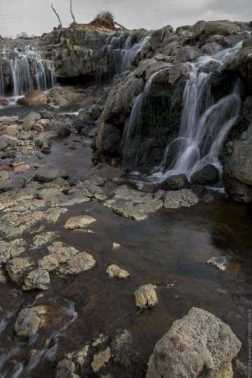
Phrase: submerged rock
(66, 260)
(197, 344)
(146, 296)
(81, 262)
(114, 271)
(133, 204)
(181, 198)
(37, 279)
(17, 267)
(79, 222)
(122, 349)
(42, 239)
(9, 250)
(30, 320)
(49, 174)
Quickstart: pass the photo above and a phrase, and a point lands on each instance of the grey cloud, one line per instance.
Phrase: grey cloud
(35, 16)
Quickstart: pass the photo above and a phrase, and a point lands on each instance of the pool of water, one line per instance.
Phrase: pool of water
(169, 249)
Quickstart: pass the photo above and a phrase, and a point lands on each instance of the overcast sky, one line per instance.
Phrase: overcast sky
(35, 16)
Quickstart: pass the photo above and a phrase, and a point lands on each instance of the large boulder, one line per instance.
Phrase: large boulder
(208, 28)
(197, 345)
(208, 175)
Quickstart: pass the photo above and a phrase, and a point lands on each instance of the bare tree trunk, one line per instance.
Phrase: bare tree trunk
(71, 11)
(57, 15)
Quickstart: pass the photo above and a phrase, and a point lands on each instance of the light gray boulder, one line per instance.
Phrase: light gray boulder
(197, 345)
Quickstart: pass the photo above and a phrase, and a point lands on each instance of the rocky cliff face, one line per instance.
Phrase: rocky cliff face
(90, 52)
(144, 110)
(152, 82)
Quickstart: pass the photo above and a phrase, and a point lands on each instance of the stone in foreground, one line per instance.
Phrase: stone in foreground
(114, 271)
(79, 222)
(197, 345)
(146, 296)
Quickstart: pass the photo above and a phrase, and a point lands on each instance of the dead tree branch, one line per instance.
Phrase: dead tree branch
(71, 12)
(57, 15)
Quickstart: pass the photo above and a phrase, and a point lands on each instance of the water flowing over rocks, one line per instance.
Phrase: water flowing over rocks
(24, 70)
(197, 344)
(114, 178)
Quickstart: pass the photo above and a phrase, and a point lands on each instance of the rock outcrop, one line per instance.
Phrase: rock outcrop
(197, 345)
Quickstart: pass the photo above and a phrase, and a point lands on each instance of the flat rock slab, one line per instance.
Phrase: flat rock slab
(180, 198)
(133, 204)
(47, 174)
(79, 222)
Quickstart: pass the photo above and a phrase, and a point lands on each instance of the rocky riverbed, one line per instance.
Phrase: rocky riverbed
(103, 275)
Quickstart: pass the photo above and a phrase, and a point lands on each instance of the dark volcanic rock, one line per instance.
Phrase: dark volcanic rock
(208, 175)
(237, 190)
(176, 182)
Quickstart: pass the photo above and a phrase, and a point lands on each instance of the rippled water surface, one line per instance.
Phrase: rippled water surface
(169, 249)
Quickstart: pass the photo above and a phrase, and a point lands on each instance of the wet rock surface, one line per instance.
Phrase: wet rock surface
(91, 241)
(79, 242)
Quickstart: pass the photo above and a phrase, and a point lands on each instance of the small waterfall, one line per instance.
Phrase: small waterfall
(130, 51)
(24, 72)
(130, 131)
(205, 122)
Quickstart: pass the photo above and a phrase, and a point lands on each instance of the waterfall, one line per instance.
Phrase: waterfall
(130, 130)
(205, 122)
(24, 72)
(130, 51)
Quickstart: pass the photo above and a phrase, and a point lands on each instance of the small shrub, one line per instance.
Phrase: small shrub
(105, 19)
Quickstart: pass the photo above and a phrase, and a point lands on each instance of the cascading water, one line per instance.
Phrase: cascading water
(130, 51)
(21, 72)
(205, 123)
(124, 51)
